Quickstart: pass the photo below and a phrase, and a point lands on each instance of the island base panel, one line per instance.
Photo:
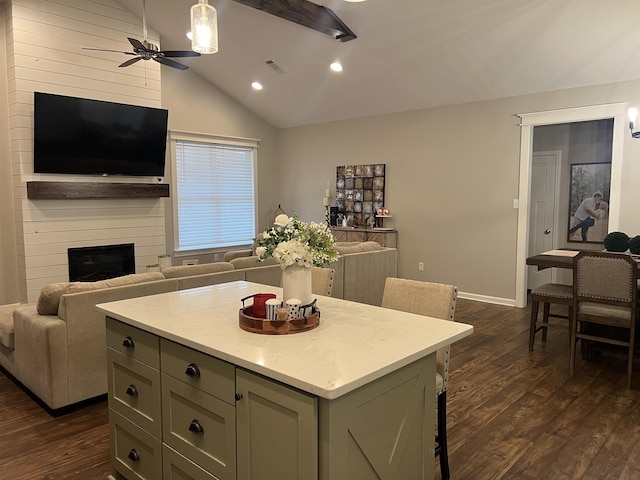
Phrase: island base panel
(382, 430)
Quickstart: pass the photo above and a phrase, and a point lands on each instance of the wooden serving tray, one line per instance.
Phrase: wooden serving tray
(263, 326)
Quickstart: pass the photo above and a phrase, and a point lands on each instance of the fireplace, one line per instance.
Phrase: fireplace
(90, 264)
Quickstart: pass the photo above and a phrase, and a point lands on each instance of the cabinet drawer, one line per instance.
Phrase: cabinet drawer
(356, 236)
(135, 454)
(132, 341)
(176, 467)
(199, 370)
(200, 427)
(134, 391)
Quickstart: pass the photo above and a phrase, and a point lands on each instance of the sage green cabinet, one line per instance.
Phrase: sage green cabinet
(277, 429)
(179, 414)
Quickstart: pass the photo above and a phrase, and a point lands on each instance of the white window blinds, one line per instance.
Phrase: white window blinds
(215, 195)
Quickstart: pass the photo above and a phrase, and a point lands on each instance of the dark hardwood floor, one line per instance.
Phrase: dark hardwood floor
(512, 414)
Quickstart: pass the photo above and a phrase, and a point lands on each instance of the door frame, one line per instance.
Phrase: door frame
(617, 111)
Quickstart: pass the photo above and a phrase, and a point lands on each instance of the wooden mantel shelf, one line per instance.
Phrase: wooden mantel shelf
(82, 190)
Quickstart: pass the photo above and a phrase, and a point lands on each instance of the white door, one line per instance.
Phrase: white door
(542, 213)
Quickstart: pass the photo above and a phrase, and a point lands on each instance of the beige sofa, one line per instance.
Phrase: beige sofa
(55, 346)
(361, 269)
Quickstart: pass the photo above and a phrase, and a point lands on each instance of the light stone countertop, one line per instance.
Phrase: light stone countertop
(354, 344)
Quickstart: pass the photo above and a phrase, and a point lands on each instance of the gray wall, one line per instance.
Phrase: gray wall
(452, 175)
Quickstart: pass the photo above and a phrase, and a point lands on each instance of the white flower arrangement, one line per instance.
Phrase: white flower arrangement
(293, 242)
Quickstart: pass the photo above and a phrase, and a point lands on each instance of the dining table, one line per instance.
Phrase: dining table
(560, 258)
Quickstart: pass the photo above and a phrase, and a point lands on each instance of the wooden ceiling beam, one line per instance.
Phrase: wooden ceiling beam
(305, 13)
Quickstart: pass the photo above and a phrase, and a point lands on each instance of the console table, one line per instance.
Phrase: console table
(386, 237)
(193, 396)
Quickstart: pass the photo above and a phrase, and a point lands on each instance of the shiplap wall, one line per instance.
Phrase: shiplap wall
(44, 53)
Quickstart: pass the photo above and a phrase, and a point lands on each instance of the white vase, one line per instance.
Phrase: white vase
(296, 283)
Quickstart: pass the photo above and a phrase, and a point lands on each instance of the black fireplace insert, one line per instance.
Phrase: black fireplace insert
(90, 264)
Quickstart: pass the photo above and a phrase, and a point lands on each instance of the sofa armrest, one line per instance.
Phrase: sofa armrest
(41, 355)
(366, 273)
(267, 275)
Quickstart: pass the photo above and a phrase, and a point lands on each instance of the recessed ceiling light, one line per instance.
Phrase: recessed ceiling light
(336, 67)
(256, 85)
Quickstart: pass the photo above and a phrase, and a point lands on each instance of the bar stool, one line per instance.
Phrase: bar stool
(547, 294)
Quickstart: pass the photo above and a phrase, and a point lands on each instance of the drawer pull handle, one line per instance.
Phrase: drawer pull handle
(128, 342)
(133, 455)
(132, 391)
(238, 397)
(192, 371)
(196, 427)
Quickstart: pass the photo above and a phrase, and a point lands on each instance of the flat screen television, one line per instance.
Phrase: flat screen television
(92, 137)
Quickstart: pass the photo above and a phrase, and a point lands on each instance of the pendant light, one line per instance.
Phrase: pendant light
(204, 28)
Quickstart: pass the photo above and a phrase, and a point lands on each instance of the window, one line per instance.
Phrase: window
(215, 197)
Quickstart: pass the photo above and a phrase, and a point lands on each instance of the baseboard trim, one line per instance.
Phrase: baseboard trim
(510, 302)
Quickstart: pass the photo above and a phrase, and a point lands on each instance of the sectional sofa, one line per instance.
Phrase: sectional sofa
(56, 346)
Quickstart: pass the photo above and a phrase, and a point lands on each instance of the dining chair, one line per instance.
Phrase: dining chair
(322, 281)
(431, 300)
(605, 293)
(548, 294)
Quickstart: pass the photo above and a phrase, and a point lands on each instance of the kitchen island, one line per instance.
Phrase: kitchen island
(198, 397)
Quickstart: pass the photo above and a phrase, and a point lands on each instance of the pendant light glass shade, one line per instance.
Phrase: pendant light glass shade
(204, 28)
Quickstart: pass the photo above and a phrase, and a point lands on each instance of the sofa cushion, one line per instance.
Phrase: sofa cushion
(349, 247)
(49, 298)
(6, 324)
(251, 262)
(190, 270)
(231, 254)
(134, 278)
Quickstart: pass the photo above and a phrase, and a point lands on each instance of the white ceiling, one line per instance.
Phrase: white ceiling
(409, 54)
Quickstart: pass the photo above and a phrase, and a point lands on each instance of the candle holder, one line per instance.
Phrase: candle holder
(326, 200)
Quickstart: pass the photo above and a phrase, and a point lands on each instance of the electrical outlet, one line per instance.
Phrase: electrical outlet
(421, 266)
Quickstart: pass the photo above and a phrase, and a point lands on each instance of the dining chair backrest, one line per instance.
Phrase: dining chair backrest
(423, 298)
(322, 281)
(605, 277)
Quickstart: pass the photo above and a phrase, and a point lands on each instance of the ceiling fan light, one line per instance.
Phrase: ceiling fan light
(204, 28)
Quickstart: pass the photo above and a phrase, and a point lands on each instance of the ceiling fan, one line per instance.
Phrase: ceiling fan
(144, 50)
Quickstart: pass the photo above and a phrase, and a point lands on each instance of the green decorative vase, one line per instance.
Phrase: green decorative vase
(616, 242)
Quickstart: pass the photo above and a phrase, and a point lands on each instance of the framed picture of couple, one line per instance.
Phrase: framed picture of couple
(589, 202)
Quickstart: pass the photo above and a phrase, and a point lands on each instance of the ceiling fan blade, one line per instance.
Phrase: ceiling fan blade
(179, 53)
(130, 62)
(170, 63)
(104, 50)
(137, 44)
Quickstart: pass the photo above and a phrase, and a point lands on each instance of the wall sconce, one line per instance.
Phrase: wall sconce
(633, 115)
(204, 28)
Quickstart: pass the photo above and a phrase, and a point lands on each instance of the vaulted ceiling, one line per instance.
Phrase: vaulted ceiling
(408, 54)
